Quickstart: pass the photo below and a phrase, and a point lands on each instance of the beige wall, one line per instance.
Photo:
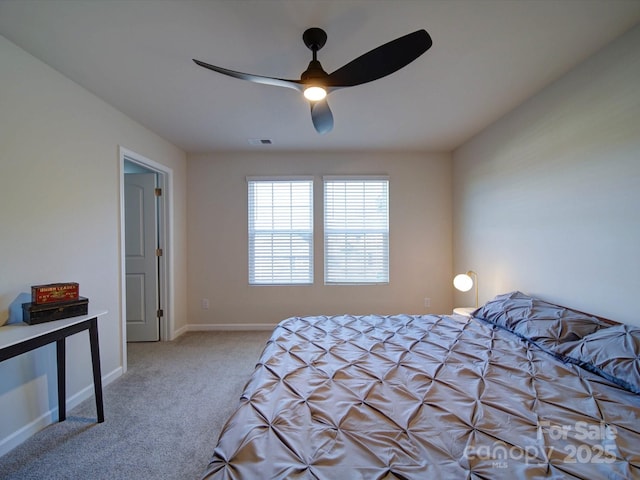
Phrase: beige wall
(547, 200)
(60, 221)
(420, 238)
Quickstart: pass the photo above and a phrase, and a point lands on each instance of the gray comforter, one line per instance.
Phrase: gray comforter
(423, 397)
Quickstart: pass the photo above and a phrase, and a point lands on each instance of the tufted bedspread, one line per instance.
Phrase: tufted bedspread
(423, 397)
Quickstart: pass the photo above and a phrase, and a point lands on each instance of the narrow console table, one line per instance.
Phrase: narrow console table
(20, 338)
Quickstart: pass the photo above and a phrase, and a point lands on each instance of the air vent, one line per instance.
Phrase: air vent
(260, 141)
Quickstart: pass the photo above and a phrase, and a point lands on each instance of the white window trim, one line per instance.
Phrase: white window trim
(280, 178)
(326, 178)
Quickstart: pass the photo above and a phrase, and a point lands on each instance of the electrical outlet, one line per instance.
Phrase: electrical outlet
(205, 304)
(427, 302)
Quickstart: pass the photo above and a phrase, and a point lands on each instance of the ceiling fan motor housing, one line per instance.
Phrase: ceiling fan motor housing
(313, 71)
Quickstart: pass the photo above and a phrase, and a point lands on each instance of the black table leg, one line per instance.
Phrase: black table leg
(95, 362)
(59, 336)
(62, 377)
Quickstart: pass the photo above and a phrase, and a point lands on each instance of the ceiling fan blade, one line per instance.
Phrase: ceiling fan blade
(276, 82)
(381, 61)
(321, 116)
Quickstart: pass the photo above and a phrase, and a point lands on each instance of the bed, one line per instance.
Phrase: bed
(523, 389)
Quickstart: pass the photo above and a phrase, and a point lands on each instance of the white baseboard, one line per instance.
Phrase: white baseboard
(16, 438)
(178, 332)
(196, 327)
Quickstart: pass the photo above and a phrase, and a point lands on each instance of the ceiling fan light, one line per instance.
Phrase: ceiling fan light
(315, 93)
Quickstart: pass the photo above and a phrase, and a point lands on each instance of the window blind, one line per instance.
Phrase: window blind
(356, 230)
(280, 230)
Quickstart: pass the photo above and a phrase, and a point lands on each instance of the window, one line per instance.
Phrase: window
(280, 230)
(356, 230)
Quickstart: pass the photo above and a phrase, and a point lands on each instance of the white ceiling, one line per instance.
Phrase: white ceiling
(488, 56)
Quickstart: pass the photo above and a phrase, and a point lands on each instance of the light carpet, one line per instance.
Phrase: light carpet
(162, 418)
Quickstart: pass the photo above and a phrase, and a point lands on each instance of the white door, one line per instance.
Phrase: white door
(141, 243)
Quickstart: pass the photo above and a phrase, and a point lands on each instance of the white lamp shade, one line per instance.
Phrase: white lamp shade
(463, 282)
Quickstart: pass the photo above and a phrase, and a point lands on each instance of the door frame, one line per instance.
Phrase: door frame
(165, 236)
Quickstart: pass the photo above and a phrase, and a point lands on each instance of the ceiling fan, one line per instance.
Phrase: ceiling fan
(316, 84)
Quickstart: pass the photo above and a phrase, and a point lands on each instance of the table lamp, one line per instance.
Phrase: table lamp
(464, 282)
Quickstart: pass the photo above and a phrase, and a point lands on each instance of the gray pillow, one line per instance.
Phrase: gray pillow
(543, 323)
(613, 353)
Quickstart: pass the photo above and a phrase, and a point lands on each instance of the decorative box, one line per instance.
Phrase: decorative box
(33, 313)
(55, 292)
